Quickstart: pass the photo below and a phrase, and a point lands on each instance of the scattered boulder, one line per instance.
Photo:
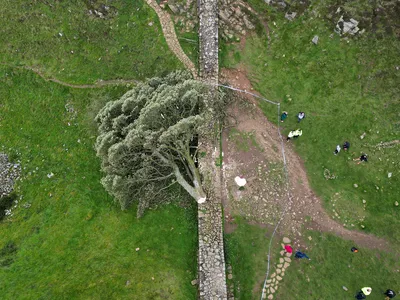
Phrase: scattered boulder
(347, 27)
(315, 40)
(286, 240)
(290, 16)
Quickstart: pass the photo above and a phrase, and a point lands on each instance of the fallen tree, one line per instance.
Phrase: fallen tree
(148, 140)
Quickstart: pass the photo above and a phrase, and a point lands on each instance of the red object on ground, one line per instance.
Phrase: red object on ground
(289, 249)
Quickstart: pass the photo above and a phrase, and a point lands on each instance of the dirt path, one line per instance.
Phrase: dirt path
(170, 36)
(265, 195)
(98, 84)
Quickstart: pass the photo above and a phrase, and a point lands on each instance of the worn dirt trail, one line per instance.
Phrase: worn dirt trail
(263, 197)
(98, 84)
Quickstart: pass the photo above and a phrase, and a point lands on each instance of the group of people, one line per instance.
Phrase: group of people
(365, 291)
(294, 133)
(298, 132)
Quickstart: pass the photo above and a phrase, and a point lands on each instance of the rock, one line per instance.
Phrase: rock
(345, 288)
(315, 40)
(288, 259)
(278, 271)
(273, 275)
(396, 203)
(289, 254)
(286, 265)
(389, 174)
(281, 260)
(194, 282)
(282, 252)
(151, 24)
(272, 290)
(127, 282)
(137, 249)
(279, 278)
(174, 8)
(309, 238)
(279, 265)
(355, 185)
(364, 201)
(271, 296)
(290, 16)
(230, 276)
(363, 136)
(286, 240)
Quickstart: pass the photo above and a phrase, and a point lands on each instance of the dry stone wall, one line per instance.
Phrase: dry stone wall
(212, 281)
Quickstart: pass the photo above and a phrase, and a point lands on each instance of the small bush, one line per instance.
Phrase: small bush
(5, 203)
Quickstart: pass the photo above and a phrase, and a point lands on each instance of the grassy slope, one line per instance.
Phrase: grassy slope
(333, 266)
(246, 251)
(345, 89)
(122, 46)
(73, 242)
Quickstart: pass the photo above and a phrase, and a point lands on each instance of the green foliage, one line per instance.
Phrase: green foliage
(7, 254)
(5, 203)
(72, 242)
(145, 138)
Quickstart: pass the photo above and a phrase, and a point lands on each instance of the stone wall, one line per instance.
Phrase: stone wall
(208, 39)
(212, 281)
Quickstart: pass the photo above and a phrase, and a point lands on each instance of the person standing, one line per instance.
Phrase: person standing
(390, 294)
(365, 291)
(284, 116)
(337, 150)
(294, 134)
(300, 116)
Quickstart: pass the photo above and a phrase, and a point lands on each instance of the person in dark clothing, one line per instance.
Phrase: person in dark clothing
(389, 294)
(301, 255)
(360, 295)
(362, 158)
(284, 116)
(354, 249)
(346, 146)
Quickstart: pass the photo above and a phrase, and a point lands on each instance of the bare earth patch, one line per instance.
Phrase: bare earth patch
(252, 148)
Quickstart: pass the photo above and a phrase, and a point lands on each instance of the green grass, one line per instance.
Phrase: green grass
(346, 88)
(244, 141)
(333, 266)
(63, 40)
(73, 242)
(246, 251)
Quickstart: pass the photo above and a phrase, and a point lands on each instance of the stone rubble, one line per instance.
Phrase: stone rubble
(9, 173)
(272, 284)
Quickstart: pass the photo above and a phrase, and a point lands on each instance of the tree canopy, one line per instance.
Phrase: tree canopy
(148, 139)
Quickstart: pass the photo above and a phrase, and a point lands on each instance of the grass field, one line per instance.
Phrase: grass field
(246, 251)
(346, 88)
(64, 40)
(66, 239)
(72, 242)
(333, 266)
